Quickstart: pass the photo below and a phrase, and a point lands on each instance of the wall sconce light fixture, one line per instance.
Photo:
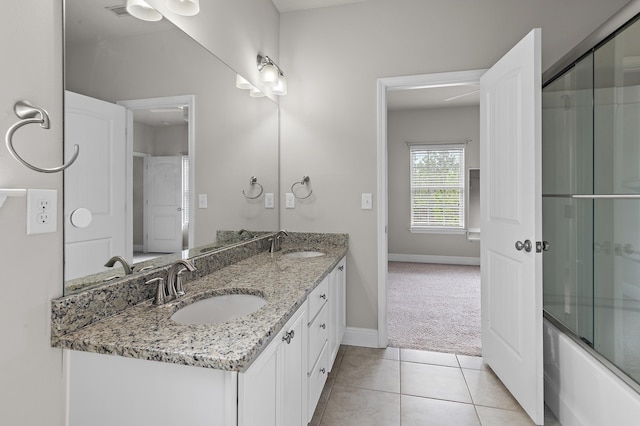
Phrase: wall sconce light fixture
(242, 83)
(271, 75)
(140, 9)
(184, 7)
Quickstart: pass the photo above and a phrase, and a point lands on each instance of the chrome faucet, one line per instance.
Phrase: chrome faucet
(171, 289)
(174, 280)
(128, 269)
(276, 241)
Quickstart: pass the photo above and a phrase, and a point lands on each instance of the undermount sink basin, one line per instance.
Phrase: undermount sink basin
(303, 254)
(219, 309)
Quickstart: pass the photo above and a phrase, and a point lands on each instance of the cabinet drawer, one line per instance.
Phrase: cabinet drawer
(317, 379)
(318, 335)
(318, 297)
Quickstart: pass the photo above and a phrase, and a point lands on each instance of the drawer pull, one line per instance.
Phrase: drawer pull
(341, 267)
(323, 296)
(323, 326)
(288, 336)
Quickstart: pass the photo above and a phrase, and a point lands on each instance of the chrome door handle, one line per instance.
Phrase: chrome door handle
(526, 245)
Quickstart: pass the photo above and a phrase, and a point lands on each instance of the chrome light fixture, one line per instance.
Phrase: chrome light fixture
(140, 9)
(184, 7)
(271, 75)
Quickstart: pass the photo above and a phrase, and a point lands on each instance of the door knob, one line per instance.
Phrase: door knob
(526, 245)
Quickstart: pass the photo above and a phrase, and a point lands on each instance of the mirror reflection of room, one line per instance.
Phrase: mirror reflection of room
(159, 97)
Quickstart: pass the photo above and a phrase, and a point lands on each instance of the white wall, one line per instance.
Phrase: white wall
(426, 125)
(32, 390)
(333, 57)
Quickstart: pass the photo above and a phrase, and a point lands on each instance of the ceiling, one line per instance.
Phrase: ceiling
(433, 97)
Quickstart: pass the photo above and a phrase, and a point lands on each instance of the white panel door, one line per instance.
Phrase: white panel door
(96, 182)
(163, 204)
(510, 158)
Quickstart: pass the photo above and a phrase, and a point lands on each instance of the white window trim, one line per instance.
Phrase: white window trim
(436, 229)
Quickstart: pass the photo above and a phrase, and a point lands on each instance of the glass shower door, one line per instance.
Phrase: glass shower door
(616, 218)
(567, 163)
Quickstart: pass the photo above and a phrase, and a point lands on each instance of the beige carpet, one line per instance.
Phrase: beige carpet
(434, 307)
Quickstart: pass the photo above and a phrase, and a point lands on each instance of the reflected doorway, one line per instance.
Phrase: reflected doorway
(162, 206)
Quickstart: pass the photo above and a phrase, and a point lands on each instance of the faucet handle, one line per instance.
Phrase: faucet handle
(179, 285)
(160, 297)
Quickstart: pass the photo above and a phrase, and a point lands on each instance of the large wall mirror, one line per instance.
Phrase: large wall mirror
(171, 152)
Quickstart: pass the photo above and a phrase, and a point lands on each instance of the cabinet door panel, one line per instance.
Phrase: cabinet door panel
(293, 382)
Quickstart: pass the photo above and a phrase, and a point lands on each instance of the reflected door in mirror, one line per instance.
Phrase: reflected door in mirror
(97, 183)
(163, 204)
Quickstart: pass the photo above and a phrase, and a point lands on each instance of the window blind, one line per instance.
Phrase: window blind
(437, 186)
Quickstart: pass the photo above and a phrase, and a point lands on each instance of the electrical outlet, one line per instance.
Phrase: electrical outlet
(269, 202)
(290, 201)
(202, 201)
(42, 212)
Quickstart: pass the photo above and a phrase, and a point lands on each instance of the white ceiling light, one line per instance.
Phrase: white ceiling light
(184, 7)
(140, 9)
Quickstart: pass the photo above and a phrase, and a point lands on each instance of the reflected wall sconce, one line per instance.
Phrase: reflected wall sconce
(142, 10)
(184, 7)
(271, 75)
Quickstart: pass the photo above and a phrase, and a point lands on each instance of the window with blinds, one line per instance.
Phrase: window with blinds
(437, 187)
(185, 192)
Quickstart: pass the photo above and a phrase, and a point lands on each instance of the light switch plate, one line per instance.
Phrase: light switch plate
(202, 201)
(367, 201)
(42, 211)
(269, 200)
(290, 201)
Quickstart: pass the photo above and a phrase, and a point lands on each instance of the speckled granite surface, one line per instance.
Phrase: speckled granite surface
(146, 331)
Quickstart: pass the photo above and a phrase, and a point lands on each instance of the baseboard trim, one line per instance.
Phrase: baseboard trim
(355, 336)
(420, 258)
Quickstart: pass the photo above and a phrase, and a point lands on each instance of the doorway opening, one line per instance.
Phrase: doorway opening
(392, 93)
(433, 280)
(160, 147)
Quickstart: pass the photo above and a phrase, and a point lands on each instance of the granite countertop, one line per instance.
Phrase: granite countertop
(145, 331)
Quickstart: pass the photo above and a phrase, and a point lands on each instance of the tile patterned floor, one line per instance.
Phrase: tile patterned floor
(408, 387)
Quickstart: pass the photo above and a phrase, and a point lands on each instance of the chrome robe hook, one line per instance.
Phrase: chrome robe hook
(33, 115)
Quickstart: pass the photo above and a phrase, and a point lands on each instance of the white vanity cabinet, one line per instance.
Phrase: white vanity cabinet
(337, 307)
(280, 388)
(272, 392)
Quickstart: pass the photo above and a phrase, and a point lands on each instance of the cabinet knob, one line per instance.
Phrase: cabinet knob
(341, 267)
(323, 326)
(323, 371)
(323, 296)
(288, 336)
